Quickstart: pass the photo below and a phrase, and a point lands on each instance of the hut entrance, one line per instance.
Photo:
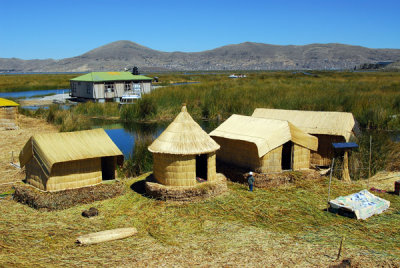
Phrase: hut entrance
(108, 168)
(201, 166)
(287, 153)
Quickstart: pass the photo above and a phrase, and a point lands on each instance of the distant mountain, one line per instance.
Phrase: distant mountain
(244, 56)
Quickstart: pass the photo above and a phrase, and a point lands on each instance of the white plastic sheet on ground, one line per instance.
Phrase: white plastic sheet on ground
(363, 204)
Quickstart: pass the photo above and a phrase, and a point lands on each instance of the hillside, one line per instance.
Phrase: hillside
(244, 56)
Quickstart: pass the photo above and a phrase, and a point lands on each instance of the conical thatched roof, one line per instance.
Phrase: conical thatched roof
(185, 137)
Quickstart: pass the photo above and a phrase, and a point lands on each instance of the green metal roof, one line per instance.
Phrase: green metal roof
(109, 76)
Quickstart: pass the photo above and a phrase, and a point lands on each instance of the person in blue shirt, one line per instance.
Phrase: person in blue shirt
(250, 180)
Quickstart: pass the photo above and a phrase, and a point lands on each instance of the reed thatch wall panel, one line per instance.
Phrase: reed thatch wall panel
(240, 153)
(211, 167)
(66, 175)
(35, 174)
(75, 174)
(175, 170)
(323, 157)
(301, 157)
(272, 161)
(8, 118)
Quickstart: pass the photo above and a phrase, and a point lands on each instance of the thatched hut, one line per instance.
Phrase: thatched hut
(328, 127)
(183, 152)
(60, 161)
(8, 114)
(263, 145)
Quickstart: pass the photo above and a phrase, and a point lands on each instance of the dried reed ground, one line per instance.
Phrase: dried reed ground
(284, 226)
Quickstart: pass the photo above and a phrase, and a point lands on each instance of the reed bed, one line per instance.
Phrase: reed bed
(29, 82)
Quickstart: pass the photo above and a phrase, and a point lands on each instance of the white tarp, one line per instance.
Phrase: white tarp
(363, 204)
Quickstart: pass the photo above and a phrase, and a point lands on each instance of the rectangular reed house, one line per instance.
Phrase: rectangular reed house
(109, 86)
(328, 127)
(8, 114)
(60, 161)
(263, 145)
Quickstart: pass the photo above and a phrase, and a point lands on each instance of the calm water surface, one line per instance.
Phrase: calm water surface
(125, 134)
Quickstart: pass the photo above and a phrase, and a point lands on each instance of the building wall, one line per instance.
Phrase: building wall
(239, 153)
(146, 87)
(82, 89)
(66, 175)
(271, 162)
(75, 174)
(174, 170)
(211, 167)
(325, 153)
(99, 91)
(301, 157)
(8, 118)
(35, 174)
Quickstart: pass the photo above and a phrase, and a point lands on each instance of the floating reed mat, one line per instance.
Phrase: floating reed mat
(261, 180)
(38, 199)
(105, 236)
(198, 192)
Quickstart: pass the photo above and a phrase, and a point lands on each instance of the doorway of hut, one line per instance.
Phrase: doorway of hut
(108, 168)
(287, 155)
(201, 166)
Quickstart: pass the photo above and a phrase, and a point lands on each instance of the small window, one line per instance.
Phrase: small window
(128, 86)
(88, 88)
(109, 87)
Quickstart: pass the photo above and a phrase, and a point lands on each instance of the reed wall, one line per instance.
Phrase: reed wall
(271, 162)
(174, 170)
(239, 153)
(301, 157)
(323, 157)
(211, 167)
(65, 175)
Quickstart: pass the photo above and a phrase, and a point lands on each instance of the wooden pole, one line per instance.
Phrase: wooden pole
(330, 180)
(340, 248)
(345, 172)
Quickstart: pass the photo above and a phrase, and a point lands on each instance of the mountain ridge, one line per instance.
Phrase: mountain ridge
(244, 56)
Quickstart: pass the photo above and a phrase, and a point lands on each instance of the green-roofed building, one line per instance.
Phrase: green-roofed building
(109, 86)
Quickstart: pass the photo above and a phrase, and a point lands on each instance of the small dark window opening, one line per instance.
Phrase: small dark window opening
(108, 168)
(201, 166)
(287, 155)
(109, 87)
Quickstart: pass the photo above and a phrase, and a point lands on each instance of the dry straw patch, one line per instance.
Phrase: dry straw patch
(14, 141)
(284, 226)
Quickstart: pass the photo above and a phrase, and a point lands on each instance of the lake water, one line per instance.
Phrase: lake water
(34, 93)
(125, 134)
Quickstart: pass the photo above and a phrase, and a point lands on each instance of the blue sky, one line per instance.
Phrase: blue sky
(66, 28)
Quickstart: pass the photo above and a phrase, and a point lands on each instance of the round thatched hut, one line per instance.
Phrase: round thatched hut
(184, 152)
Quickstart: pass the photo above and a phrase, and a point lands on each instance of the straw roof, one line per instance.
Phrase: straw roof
(266, 134)
(7, 103)
(184, 137)
(328, 123)
(52, 148)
